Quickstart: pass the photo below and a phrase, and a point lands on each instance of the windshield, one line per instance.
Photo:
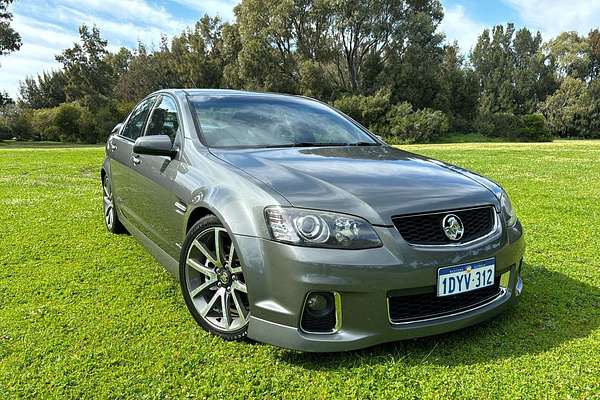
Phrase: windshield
(269, 121)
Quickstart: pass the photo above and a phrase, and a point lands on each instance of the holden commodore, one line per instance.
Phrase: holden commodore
(289, 223)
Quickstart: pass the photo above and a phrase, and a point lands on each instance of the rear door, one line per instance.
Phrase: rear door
(154, 201)
(120, 148)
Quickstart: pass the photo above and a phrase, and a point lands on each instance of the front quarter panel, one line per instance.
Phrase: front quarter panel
(237, 199)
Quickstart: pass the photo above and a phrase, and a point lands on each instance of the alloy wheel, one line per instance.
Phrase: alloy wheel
(215, 282)
(109, 206)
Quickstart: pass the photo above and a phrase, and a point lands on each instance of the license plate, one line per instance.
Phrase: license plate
(465, 277)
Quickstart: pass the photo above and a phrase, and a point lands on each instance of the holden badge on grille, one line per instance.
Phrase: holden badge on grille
(453, 227)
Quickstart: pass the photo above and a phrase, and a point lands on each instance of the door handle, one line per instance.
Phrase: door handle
(136, 160)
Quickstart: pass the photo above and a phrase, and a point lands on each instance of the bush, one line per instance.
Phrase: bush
(421, 126)
(43, 124)
(502, 125)
(79, 124)
(313, 80)
(398, 123)
(104, 119)
(4, 129)
(15, 122)
(527, 128)
(398, 120)
(67, 122)
(370, 111)
(534, 129)
(428, 125)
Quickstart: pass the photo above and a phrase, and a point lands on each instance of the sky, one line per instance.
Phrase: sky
(47, 27)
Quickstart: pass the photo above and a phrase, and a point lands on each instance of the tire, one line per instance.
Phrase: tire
(212, 281)
(111, 218)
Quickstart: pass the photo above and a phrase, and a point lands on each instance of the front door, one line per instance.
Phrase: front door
(154, 202)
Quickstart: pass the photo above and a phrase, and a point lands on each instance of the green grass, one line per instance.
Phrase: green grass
(87, 314)
(30, 144)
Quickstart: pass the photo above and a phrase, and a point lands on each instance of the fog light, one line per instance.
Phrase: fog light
(318, 303)
(321, 313)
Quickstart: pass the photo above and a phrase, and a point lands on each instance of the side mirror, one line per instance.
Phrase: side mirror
(154, 145)
(116, 129)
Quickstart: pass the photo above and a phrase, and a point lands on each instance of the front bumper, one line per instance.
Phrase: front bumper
(279, 277)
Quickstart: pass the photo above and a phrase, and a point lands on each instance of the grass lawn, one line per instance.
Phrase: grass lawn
(84, 313)
(13, 144)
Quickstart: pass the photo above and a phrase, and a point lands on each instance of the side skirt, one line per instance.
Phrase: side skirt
(170, 264)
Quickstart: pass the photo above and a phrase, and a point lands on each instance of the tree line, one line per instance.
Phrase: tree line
(383, 62)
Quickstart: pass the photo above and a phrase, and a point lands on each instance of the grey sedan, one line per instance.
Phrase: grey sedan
(287, 222)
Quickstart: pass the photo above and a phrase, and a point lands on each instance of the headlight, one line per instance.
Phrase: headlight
(507, 209)
(320, 229)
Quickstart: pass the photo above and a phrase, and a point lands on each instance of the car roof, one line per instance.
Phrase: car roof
(222, 92)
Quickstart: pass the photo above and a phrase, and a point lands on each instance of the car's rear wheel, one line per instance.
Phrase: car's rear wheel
(111, 218)
(212, 280)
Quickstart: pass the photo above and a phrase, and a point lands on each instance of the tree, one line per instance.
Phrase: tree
(567, 111)
(145, 73)
(513, 72)
(593, 40)
(87, 70)
(570, 53)
(594, 111)
(47, 90)
(492, 60)
(5, 99)
(9, 39)
(198, 57)
(273, 35)
(330, 47)
(195, 55)
(459, 89)
(364, 30)
(119, 62)
(231, 46)
(533, 77)
(415, 57)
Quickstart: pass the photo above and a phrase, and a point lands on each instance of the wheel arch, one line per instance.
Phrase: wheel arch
(105, 168)
(197, 214)
(240, 214)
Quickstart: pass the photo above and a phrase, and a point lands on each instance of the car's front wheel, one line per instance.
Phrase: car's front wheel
(212, 280)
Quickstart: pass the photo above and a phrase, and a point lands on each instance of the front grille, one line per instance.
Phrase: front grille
(426, 229)
(427, 305)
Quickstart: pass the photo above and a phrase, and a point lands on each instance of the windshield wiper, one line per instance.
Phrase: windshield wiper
(319, 144)
(304, 144)
(363, 144)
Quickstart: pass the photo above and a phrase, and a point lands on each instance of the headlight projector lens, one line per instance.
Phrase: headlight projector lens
(311, 227)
